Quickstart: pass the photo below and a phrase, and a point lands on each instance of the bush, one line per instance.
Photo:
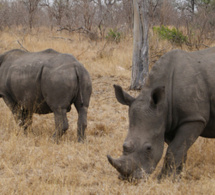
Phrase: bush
(113, 35)
(173, 35)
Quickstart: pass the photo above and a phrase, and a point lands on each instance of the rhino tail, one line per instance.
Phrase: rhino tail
(1, 59)
(40, 73)
(38, 82)
(80, 84)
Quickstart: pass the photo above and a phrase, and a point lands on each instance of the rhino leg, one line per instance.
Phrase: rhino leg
(177, 150)
(22, 117)
(61, 123)
(81, 106)
(12, 105)
(82, 123)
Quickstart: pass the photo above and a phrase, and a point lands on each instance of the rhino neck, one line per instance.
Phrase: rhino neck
(162, 74)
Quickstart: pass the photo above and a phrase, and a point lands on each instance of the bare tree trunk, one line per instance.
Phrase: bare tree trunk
(140, 44)
(32, 6)
(145, 48)
(192, 6)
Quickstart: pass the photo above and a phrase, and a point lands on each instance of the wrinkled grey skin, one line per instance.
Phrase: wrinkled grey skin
(45, 82)
(176, 106)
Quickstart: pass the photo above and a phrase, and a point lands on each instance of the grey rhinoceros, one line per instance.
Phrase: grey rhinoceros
(45, 82)
(176, 105)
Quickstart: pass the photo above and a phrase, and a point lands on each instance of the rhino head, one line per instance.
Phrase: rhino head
(143, 146)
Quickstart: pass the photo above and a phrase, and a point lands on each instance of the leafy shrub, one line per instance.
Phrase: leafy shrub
(113, 35)
(173, 35)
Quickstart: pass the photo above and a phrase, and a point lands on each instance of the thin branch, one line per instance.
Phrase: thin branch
(22, 46)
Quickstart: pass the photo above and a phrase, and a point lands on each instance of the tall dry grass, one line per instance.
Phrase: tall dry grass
(35, 165)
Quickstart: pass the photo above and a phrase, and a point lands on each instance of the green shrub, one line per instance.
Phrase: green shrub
(113, 35)
(173, 35)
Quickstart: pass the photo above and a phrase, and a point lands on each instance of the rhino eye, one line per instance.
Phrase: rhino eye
(148, 147)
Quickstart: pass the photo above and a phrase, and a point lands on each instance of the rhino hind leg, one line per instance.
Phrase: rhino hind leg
(82, 123)
(61, 123)
(176, 154)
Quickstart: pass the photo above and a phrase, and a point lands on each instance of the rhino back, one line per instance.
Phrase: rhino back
(17, 73)
(35, 78)
(195, 90)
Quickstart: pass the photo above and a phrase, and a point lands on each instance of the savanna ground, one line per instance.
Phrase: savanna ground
(33, 164)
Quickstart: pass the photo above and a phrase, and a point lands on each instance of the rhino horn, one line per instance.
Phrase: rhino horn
(114, 162)
(122, 165)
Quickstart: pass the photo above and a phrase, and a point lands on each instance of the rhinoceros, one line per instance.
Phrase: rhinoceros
(176, 105)
(45, 82)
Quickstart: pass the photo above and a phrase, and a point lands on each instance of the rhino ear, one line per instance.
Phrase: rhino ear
(157, 95)
(122, 96)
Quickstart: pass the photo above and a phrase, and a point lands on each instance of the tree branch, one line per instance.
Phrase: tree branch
(22, 46)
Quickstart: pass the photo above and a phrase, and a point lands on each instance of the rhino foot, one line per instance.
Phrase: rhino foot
(81, 139)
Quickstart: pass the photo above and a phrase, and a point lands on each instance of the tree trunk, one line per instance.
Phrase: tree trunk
(140, 44)
(145, 48)
(192, 7)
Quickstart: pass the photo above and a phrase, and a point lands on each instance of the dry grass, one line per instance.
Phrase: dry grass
(35, 165)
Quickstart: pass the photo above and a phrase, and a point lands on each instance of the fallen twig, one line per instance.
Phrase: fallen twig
(205, 45)
(66, 39)
(80, 29)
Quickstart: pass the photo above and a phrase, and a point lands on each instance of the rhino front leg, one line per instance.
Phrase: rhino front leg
(61, 123)
(22, 116)
(177, 150)
(24, 119)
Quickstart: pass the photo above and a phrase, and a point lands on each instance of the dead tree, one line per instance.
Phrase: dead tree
(140, 44)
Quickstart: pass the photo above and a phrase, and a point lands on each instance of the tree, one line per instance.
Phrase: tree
(140, 44)
(58, 10)
(32, 6)
(127, 10)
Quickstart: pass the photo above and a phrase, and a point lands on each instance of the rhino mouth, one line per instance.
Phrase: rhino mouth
(128, 168)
